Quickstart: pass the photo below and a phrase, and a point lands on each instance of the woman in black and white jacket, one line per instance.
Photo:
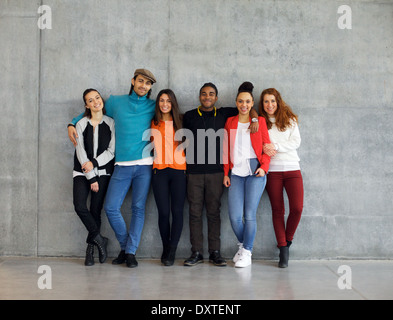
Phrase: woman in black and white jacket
(93, 166)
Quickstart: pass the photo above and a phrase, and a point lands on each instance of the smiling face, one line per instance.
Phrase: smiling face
(94, 101)
(165, 104)
(208, 98)
(270, 104)
(244, 103)
(141, 84)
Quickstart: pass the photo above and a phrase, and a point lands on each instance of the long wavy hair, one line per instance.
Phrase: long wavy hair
(175, 112)
(283, 115)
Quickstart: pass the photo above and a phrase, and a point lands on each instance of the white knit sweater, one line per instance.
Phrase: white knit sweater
(286, 142)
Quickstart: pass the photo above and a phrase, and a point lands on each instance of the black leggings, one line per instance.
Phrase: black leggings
(90, 218)
(169, 188)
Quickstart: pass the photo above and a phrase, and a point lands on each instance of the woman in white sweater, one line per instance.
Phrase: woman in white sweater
(284, 170)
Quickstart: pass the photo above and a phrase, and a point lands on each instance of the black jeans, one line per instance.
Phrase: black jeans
(90, 218)
(169, 188)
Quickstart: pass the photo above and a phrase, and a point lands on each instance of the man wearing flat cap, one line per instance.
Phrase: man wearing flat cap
(145, 73)
(133, 168)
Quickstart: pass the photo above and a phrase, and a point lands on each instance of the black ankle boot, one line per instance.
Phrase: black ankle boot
(170, 259)
(195, 258)
(165, 253)
(216, 259)
(101, 243)
(284, 257)
(89, 259)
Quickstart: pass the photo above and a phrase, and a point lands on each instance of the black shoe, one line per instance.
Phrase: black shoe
(131, 261)
(216, 259)
(165, 253)
(284, 257)
(89, 259)
(101, 243)
(195, 258)
(170, 259)
(121, 258)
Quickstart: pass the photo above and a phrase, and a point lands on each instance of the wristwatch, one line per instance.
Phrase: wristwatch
(254, 120)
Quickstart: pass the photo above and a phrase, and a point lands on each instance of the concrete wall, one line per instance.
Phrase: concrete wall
(338, 81)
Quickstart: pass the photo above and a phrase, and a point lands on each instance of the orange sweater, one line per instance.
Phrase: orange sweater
(165, 153)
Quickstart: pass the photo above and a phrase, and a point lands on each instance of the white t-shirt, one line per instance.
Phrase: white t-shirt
(243, 151)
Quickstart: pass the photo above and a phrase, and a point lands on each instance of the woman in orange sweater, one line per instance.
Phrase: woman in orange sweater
(244, 156)
(169, 172)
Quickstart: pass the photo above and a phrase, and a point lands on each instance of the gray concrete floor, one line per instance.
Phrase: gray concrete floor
(21, 278)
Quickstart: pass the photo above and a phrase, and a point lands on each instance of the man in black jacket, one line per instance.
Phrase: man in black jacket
(205, 172)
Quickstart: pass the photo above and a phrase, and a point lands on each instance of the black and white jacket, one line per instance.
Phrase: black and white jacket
(95, 145)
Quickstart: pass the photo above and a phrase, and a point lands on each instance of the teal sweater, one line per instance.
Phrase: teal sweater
(132, 115)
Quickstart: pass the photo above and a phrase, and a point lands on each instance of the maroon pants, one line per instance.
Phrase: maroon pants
(292, 181)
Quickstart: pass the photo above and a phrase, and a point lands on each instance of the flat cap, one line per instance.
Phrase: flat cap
(146, 73)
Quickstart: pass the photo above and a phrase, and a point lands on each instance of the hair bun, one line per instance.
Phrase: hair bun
(246, 87)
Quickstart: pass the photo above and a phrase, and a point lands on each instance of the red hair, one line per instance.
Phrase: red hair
(283, 115)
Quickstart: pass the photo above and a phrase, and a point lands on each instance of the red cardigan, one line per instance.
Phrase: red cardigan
(258, 139)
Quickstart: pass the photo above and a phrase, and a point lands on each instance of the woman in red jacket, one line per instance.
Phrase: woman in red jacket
(243, 155)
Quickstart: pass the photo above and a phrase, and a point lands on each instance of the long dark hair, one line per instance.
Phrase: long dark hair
(87, 111)
(175, 112)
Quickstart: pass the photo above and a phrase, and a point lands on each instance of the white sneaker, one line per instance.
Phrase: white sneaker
(244, 259)
(237, 255)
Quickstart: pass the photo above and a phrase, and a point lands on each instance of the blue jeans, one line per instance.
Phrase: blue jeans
(244, 195)
(124, 177)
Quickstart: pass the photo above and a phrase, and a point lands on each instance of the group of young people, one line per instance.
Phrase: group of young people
(132, 141)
